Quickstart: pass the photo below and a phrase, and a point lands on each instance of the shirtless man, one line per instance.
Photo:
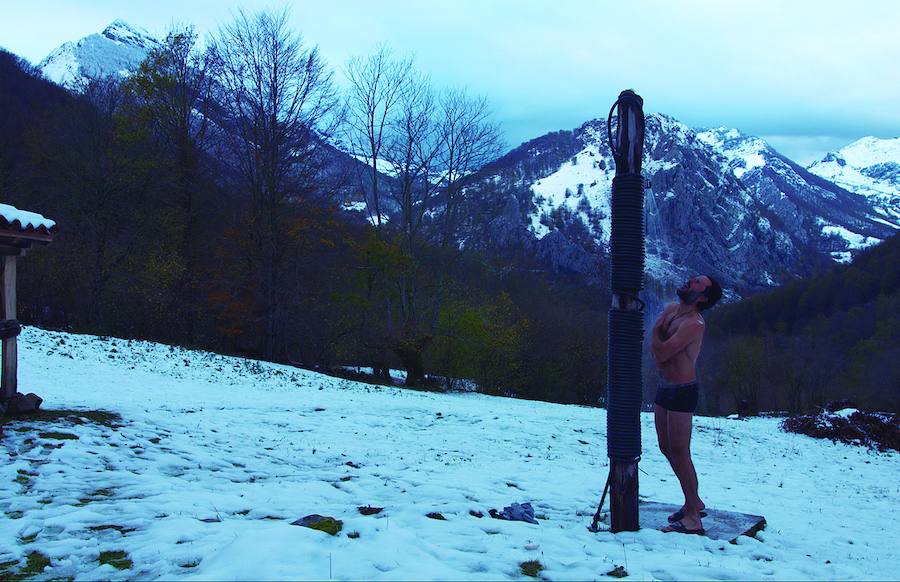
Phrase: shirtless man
(677, 337)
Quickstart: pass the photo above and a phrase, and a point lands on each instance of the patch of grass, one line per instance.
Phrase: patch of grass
(346, 477)
(15, 514)
(45, 501)
(59, 436)
(118, 559)
(102, 417)
(531, 568)
(328, 525)
(35, 563)
(119, 528)
(28, 539)
(617, 572)
(191, 564)
(6, 569)
(22, 480)
(92, 496)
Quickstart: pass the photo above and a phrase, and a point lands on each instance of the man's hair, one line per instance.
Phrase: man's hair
(712, 293)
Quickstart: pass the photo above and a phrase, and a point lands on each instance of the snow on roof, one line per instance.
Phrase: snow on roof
(25, 221)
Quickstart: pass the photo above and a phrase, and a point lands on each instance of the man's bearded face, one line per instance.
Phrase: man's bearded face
(693, 289)
(687, 296)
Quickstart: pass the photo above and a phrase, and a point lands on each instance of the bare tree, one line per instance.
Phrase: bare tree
(279, 102)
(412, 151)
(377, 85)
(469, 140)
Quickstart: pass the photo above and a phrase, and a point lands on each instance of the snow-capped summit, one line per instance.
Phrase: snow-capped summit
(118, 50)
(721, 201)
(869, 166)
(744, 152)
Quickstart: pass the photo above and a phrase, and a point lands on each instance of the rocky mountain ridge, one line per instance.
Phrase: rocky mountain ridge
(720, 201)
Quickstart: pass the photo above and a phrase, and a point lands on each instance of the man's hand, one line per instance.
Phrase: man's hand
(688, 332)
(657, 336)
(660, 321)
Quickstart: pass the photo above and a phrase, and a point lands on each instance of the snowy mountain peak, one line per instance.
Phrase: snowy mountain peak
(869, 166)
(116, 51)
(744, 152)
(122, 32)
(869, 151)
(720, 201)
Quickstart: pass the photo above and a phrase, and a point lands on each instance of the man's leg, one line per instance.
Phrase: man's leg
(661, 416)
(679, 439)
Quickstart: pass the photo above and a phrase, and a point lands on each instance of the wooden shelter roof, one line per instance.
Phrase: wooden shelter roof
(22, 228)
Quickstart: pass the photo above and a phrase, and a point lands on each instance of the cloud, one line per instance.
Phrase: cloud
(806, 149)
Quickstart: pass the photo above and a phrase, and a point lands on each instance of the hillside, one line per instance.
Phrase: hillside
(214, 457)
(835, 336)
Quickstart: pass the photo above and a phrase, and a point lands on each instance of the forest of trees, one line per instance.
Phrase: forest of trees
(199, 203)
(835, 336)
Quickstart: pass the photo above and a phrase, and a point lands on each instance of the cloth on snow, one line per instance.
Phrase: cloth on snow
(515, 512)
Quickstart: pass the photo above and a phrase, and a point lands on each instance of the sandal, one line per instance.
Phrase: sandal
(678, 527)
(679, 515)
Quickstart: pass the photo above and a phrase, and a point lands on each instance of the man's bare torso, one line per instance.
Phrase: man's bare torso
(680, 368)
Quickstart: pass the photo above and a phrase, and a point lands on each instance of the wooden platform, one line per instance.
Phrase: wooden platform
(719, 525)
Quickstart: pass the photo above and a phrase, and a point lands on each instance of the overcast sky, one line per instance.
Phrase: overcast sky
(808, 76)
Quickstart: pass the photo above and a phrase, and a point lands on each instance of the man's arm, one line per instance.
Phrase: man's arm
(656, 338)
(688, 333)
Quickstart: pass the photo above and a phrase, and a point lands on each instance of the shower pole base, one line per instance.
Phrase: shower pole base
(623, 496)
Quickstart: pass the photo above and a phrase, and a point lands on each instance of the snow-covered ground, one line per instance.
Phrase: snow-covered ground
(217, 455)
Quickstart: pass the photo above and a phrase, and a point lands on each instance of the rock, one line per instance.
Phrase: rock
(369, 510)
(618, 572)
(23, 403)
(436, 515)
(323, 523)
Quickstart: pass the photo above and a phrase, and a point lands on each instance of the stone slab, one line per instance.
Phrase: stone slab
(719, 524)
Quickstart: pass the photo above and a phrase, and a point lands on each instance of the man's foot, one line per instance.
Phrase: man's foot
(678, 515)
(680, 527)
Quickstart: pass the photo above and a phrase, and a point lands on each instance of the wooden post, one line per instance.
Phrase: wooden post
(8, 383)
(623, 496)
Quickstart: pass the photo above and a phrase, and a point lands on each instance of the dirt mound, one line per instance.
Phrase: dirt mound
(879, 430)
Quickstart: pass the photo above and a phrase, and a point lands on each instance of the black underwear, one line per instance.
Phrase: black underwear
(678, 397)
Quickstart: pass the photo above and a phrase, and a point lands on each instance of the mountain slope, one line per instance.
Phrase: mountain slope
(116, 51)
(720, 202)
(869, 166)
